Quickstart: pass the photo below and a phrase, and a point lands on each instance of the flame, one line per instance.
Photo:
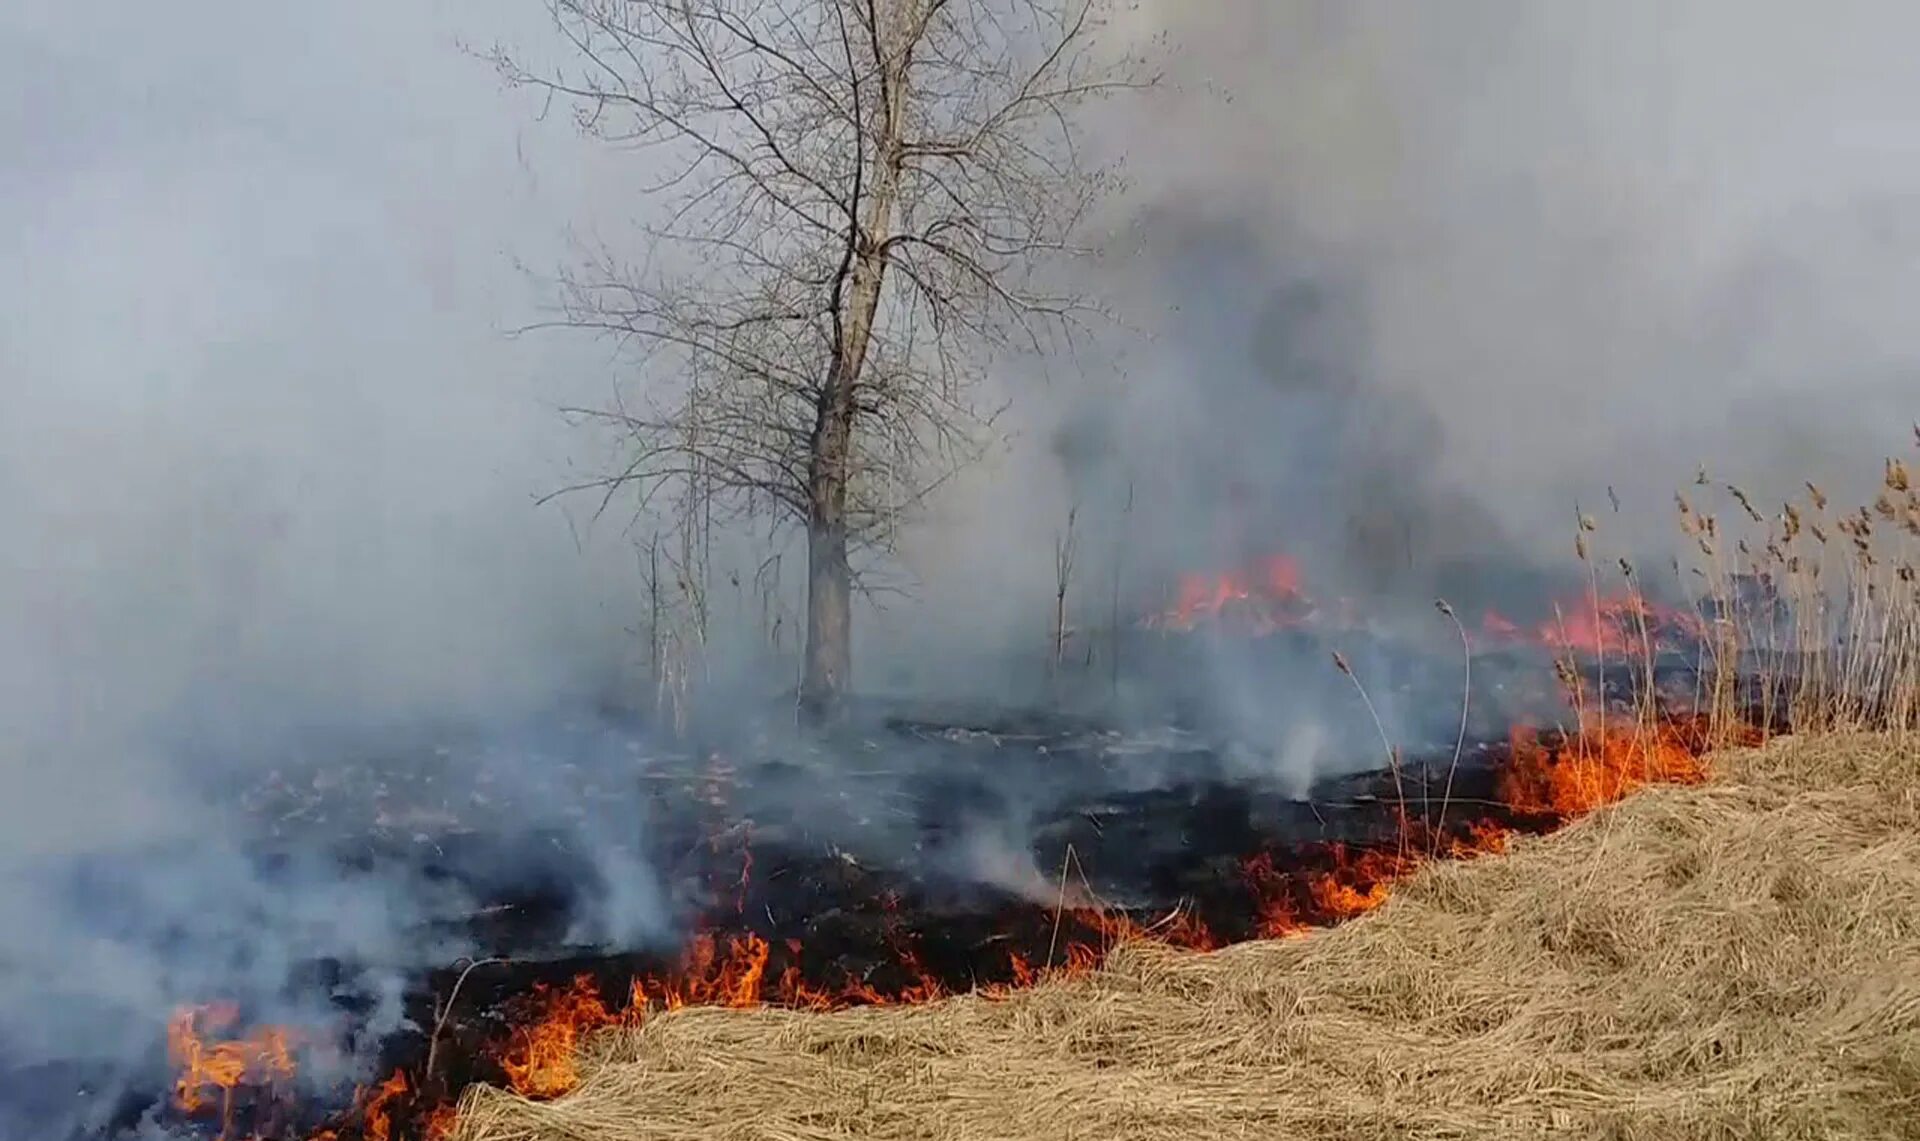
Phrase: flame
(376, 1114)
(1627, 624)
(1597, 767)
(1356, 882)
(215, 1068)
(540, 1061)
(441, 1120)
(1544, 778)
(1268, 595)
(1359, 884)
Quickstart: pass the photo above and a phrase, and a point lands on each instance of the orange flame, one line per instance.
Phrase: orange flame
(1543, 778)
(1596, 768)
(1628, 624)
(216, 1068)
(376, 1114)
(540, 1060)
(1268, 595)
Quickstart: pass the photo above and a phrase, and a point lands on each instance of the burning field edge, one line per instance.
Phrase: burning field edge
(1739, 957)
(1735, 952)
(529, 1037)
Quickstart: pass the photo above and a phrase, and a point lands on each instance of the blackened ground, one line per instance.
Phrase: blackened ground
(908, 850)
(884, 912)
(847, 925)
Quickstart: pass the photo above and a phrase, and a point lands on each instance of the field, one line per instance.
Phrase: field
(1735, 959)
(1724, 941)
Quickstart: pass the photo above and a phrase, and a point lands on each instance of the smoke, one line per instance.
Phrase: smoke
(1404, 285)
(1410, 285)
(1590, 246)
(267, 468)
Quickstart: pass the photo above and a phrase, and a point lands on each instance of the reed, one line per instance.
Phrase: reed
(1812, 613)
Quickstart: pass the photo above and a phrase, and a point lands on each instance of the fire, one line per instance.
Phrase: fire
(440, 1122)
(1354, 883)
(1266, 597)
(709, 977)
(1623, 624)
(377, 1112)
(1360, 884)
(1545, 778)
(215, 1069)
(540, 1060)
(1270, 595)
(1598, 767)
(212, 1070)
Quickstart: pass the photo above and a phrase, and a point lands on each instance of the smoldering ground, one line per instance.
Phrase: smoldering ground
(1404, 287)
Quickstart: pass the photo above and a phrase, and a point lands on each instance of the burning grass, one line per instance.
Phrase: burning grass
(232, 1087)
(1740, 958)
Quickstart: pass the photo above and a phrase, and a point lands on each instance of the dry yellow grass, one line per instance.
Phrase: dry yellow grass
(1735, 960)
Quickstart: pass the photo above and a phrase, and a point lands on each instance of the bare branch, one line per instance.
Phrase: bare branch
(853, 205)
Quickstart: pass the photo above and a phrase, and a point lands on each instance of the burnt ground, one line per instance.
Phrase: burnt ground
(911, 847)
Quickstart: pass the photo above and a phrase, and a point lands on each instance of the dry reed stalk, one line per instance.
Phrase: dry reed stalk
(1850, 656)
(1439, 826)
(1064, 547)
(1386, 741)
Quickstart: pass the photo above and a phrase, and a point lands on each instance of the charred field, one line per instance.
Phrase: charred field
(912, 854)
(662, 570)
(1728, 959)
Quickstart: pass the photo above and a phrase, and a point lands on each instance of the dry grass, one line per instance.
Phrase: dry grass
(1735, 960)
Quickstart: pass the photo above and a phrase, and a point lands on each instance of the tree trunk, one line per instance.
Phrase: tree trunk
(829, 653)
(829, 650)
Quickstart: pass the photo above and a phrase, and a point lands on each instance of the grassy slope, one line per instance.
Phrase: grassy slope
(1735, 960)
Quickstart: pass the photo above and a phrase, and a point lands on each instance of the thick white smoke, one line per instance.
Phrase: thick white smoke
(1601, 244)
(1405, 283)
(267, 464)
(1414, 282)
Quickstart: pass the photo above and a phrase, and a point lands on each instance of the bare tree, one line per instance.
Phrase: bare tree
(856, 204)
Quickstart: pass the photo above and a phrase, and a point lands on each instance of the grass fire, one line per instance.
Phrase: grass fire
(959, 570)
(1198, 867)
(915, 954)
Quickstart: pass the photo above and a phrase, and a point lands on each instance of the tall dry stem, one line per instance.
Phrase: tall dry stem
(1064, 543)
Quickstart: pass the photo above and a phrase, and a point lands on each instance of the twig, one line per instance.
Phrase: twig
(1060, 906)
(1113, 617)
(1393, 756)
(1466, 697)
(440, 1020)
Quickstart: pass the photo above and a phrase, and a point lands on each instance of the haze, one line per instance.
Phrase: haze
(268, 458)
